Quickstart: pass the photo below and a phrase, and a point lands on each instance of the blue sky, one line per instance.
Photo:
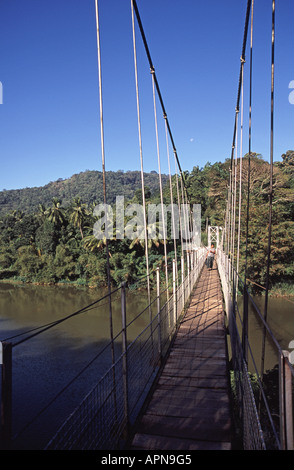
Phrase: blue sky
(49, 119)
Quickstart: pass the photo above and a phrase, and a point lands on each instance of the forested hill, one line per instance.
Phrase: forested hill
(46, 234)
(87, 185)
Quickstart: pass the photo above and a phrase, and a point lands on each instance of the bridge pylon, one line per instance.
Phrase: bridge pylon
(215, 235)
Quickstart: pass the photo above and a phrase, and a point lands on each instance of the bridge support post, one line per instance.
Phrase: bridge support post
(286, 410)
(183, 277)
(6, 395)
(234, 294)
(125, 357)
(188, 273)
(174, 291)
(245, 325)
(158, 314)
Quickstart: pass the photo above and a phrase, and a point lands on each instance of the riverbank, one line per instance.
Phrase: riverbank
(77, 283)
(282, 290)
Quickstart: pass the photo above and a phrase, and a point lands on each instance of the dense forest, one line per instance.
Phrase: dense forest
(86, 185)
(47, 233)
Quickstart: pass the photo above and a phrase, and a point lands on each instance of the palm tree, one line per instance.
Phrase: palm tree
(17, 214)
(78, 215)
(55, 213)
(96, 241)
(42, 212)
(94, 244)
(153, 228)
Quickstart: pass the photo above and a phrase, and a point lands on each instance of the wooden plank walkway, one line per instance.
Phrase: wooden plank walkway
(190, 408)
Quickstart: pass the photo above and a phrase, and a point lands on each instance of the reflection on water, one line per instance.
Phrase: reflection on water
(22, 307)
(45, 364)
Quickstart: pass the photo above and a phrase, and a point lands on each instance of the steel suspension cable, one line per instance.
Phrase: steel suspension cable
(249, 143)
(184, 212)
(227, 217)
(230, 189)
(160, 180)
(245, 300)
(182, 176)
(135, 9)
(171, 192)
(230, 211)
(234, 191)
(179, 206)
(240, 73)
(240, 170)
(271, 180)
(103, 171)
(189, 217)
(141, 152)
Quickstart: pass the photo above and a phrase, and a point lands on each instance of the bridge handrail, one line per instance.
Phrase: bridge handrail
(105, 406)
(231, 282)
(257, 310)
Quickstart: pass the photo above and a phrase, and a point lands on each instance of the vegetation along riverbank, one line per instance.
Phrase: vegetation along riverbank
(46, 233)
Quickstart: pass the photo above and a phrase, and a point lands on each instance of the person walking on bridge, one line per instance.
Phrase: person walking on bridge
(210, 256)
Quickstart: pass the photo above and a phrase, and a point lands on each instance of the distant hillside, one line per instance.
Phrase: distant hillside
(87, 185)
(58, 245)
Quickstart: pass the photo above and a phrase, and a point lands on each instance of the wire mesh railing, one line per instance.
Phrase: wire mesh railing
(42, 374)
(104, 417)
(262, 376)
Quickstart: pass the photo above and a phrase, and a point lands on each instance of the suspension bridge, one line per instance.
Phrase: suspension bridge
(190, 379)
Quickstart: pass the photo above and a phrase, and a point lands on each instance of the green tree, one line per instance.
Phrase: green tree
(55, 213)
(42, 213)
(90, 242)
(64, 264)
(92, 268)
(47, 237)
(79, 212)
(28, 263)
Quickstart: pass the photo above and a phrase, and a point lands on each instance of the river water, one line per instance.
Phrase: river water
(51, 371)
(46, 366)
(280, 318)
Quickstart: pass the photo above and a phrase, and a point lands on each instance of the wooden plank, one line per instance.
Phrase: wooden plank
(205, 352)
(176, 357)
(185, 382)
(183, 362)
(206, 429)
(207, 371)
(199, 397)
(190, 407)
(182, 408)
(151, 442)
